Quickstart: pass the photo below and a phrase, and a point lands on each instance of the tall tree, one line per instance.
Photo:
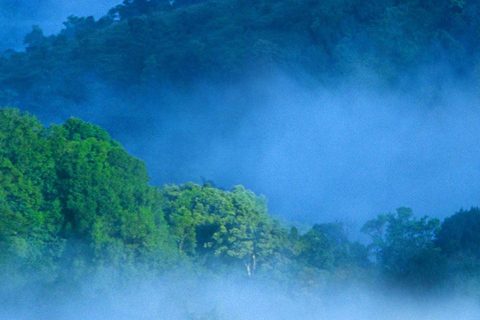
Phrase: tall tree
(404, 247)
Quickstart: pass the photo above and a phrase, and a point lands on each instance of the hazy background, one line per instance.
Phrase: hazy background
(344, 153)
(319, 155)
(18, 16)
(196, 299)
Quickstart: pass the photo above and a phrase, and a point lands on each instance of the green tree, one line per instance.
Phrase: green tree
(459, 241)
(193, 212)
(404, 248)
(213, 226)
(327, 247)
(105, 197)
(247, 234)
(29, 213)
(460, 234)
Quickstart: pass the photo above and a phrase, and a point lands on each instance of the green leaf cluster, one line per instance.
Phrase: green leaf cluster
(141, 42)
(69, 187)
(74, 203)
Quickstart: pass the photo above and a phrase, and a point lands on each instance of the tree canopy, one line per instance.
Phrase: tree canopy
(142, 42)
(72, 201)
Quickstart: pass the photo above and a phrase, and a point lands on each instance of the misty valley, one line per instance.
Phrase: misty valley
(236, 159)
(79, 220)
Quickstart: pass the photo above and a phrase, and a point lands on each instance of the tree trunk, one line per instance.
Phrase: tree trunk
(249, 270)
(180, 245)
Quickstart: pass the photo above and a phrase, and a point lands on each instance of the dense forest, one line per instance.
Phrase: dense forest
(142, 45)
(73, 202)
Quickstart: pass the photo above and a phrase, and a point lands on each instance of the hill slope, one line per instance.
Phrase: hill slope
(143, 42)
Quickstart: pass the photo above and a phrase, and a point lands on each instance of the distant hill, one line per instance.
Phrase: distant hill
(141, 42)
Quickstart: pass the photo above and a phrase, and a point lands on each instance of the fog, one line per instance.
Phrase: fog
(319, 154)
(18, 16)
(344, 152)
(198, 298)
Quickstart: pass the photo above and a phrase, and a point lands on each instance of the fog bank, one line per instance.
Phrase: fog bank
(195, 298)
(318, 154)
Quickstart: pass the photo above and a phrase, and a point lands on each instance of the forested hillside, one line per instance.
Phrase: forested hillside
(145, 43)
(327, 103)
(73, 202)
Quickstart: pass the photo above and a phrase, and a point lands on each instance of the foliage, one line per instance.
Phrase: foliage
(73, 203)
(141, 42)
(71, 184)
(29, 214)
(404, 247)
(233, 226)
(459, 233)
(460, 242)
